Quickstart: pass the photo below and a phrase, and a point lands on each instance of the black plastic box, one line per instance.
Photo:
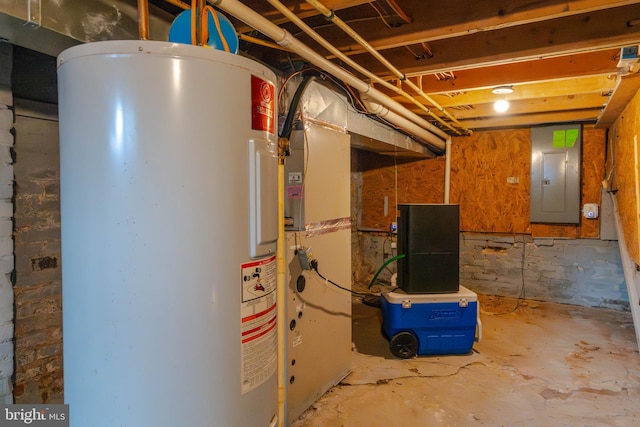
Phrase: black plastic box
(429, 237)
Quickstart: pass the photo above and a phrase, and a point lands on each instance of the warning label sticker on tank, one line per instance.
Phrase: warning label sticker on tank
(262, 105)
(259, 351)
(295, 177)
(294, 192)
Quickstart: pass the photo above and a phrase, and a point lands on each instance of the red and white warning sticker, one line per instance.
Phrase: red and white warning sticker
(263, 101)
(259, 351)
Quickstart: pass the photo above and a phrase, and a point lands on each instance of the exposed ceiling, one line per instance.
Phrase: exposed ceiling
(560, 57)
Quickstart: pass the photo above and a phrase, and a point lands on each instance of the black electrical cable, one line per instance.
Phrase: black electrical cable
(523, 293)
(314, 266)
(372, 300)
(287, 127)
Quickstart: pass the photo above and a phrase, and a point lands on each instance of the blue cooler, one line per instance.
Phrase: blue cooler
(428, 324)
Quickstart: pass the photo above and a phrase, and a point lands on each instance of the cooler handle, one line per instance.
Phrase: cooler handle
(478, 326)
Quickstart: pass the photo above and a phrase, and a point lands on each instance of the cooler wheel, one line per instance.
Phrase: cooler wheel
(404, 345)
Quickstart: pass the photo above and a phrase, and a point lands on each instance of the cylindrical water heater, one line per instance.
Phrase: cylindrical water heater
(168, 170)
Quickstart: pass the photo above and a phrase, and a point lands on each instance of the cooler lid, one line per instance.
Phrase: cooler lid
(399, 296)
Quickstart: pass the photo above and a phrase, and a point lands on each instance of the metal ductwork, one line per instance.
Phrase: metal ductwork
(281, 36)
(50, 26)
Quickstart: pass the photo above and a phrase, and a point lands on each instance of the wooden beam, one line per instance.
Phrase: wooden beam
(625, 90)
(301, 8)
(515, 121)
(457, 18)
(591, 101)
(590, 63)
(606, 29)
(556, 88)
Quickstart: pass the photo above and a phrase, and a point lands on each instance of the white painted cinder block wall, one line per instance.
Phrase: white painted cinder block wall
(6, 226)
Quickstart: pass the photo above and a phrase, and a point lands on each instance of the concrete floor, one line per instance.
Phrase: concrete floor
(543, 364)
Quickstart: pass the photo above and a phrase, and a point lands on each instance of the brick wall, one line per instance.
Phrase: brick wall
(30, 279)
(6, 213)
(38, 288)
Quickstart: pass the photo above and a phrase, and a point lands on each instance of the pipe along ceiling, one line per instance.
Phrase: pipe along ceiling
(394, 112)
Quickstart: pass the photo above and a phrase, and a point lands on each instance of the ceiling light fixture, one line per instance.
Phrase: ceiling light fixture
(501, 105)
(502, 90)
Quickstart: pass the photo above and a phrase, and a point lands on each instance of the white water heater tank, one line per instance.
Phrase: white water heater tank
(168, 170)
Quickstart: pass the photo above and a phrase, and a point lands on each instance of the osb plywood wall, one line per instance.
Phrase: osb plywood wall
(417, 182)
(594, 151)
(625, 179)
(484, 167)
(481, 164)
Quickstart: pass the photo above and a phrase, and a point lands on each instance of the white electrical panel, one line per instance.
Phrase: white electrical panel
(555, 173)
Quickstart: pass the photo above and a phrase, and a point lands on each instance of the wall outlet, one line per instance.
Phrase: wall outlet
(590, 211)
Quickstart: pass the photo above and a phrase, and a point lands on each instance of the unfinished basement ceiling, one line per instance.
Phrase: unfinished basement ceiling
(560, 57)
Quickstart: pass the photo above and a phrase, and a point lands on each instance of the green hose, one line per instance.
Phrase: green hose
(387, 262)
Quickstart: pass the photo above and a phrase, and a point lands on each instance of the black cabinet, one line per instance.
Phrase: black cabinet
(428, 236)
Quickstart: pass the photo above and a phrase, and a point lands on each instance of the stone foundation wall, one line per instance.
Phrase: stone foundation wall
(585, 272)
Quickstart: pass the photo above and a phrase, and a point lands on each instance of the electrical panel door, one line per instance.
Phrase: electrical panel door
(555, 173)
